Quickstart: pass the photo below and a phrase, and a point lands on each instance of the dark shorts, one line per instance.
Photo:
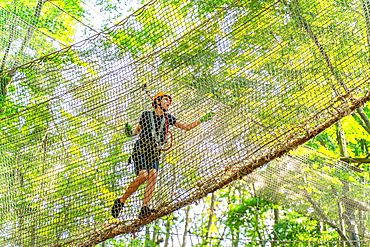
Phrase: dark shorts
(145, 157)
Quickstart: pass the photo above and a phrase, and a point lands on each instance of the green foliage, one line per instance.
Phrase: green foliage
(33, 24)
(55, 144)
(295, 227)
(357, 139)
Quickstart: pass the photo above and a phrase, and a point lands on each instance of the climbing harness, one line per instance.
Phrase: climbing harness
(166, 144)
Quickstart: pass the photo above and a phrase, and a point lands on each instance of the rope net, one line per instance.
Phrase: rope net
(320, 187)
(193, 239)
(275, 74)
(31, 29)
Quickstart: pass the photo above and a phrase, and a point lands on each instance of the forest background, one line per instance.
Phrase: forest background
(232, 216)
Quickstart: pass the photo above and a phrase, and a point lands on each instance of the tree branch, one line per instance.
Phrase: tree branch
(364, 118)
(7, 50)
(326, 219)
(355, 160)
(7, 78)
(359, 120)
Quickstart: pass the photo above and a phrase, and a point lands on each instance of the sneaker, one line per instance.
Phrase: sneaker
(145, 212)
(117, 207)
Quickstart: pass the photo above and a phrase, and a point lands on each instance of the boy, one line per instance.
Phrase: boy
(152, 129)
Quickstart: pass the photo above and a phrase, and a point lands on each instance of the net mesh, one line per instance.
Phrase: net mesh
(274, 73)
(30, 29)
(320, 187)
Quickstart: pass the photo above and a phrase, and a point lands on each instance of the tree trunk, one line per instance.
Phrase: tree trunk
(211, 210)
(364, 118)
(236, 244)
(187, 224)
(10, 42)
(256, 223)
(155, 232)
(341, 220)
(326, 219)
(30, 31)
(276, 221)
(168, 231)
(341, 138)
(351, 222)
(147, 235)
(5, 79)
(350, 217)
(361, 122)
(366, 9)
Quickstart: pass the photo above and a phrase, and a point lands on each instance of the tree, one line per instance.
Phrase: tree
(82, 127)
(30, 32)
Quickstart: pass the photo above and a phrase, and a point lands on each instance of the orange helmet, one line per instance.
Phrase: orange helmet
(162, 94)
(159, 95)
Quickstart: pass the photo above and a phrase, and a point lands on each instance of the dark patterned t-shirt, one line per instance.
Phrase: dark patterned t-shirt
(145, 121)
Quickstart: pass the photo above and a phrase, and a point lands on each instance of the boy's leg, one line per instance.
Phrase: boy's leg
(134, 185)
(149, 191)
(145, 211)
(153, 166)
(141, 169)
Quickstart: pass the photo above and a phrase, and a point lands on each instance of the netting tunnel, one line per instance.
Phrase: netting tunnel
(274, 78)
(320, 187)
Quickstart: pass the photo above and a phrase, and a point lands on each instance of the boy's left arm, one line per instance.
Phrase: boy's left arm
(186, 127)
(205, 118)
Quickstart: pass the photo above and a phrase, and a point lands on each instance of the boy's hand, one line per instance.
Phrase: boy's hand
(128, 130)
(207, 117)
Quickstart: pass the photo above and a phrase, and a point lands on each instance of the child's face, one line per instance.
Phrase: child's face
(166, 103)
